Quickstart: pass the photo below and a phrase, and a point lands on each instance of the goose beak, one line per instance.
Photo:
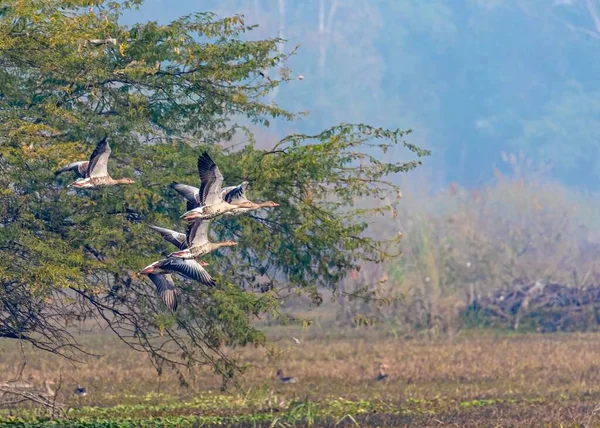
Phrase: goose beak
(275, 204)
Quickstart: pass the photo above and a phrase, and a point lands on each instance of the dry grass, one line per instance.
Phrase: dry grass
(470, 380)
(457, 244)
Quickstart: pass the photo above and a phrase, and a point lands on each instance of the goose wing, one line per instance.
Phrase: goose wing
(235, 194)
(165, 288)
(98, 166)
(190, 193)
(190, 268)
(211, 180)
(197, 233)
(176, 238)
(80, 169)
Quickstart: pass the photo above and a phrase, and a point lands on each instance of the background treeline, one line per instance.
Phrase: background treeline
(520, 253)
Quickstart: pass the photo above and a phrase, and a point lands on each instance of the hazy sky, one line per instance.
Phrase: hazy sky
(476, 80)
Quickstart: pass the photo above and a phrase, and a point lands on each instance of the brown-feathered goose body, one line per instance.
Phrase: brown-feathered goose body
(198, 243)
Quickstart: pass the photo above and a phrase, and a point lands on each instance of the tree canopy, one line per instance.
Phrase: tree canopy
(72, 74)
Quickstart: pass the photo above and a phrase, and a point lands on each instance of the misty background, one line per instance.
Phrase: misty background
(472, 78)
(506, 95)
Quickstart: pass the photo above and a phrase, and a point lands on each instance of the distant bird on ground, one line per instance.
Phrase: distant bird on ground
(283, 379)
(79, 168)
(80, 391)
(197, 241)
(209, 194)
(97, 171)
(188, 268)
(165, 288)
(48, 391)
(297, 341)
(176, 238)
(381, 374)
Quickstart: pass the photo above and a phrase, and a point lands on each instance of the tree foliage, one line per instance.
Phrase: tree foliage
(71, 74)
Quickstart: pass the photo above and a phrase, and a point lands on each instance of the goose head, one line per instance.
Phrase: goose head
(149, 269)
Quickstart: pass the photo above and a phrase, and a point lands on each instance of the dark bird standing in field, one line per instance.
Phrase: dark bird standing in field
(80, 391)
(284, 379)
(381, 374)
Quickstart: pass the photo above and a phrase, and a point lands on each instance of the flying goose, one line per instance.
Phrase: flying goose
(192, 194)
(210, 199)
(197, 241)
(97, 171)
(188, 268)
(234, 195)
(176, 238)
(165, 288)
(284, 379)
(79, 168)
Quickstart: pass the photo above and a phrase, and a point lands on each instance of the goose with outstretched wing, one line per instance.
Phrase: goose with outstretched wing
(97, 170)
(211, 202)
(232, 195)
(197, 241)
(236, 195)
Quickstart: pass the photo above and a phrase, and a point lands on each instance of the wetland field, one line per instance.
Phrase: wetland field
(474, 379)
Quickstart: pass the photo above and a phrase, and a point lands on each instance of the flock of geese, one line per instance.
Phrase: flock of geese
(209, 201)
(203, 204)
